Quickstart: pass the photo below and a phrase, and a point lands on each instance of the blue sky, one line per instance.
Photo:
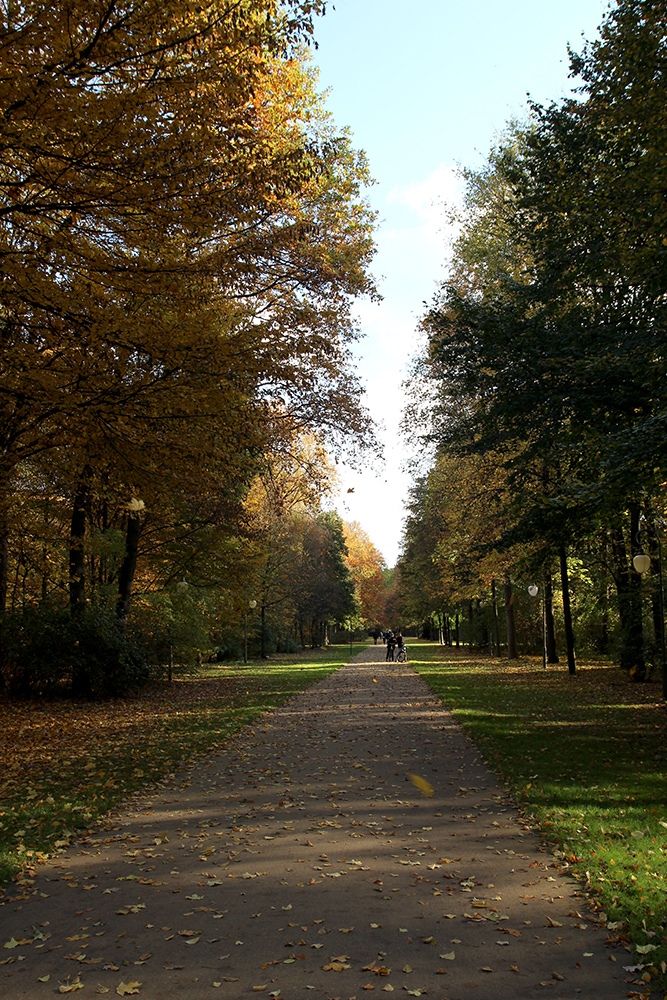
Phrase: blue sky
(425, 87)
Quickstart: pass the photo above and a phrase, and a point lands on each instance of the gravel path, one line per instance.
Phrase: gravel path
(305, 862)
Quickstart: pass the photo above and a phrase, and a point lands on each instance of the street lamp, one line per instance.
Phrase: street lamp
(534, 590)
(642, 564)
(252, 605)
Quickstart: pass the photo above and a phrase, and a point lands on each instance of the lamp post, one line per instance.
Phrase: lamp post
(642, 564)
(534, 590)
(252, 605)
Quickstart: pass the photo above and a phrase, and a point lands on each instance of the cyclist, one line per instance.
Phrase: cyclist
(391, 645)
(398, 639)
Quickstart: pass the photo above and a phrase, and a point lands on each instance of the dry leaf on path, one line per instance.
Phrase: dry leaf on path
(76, 984)
(125, 989)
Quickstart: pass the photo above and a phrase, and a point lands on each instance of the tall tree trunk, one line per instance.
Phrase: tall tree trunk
(509, 618)
(262, 618)
(567, 612)
(496, 623)
(128, 567)
(457, 630)
(550, 624)
(471, 626)
(77, 563)
(4, 575)
(628, 588)
(4, 561)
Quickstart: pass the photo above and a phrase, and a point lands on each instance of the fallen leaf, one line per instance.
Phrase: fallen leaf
(125, 989)
(76, 984)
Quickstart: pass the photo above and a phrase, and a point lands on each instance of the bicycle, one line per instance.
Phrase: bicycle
(402, 655)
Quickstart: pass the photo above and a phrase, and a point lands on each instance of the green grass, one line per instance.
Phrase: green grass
(66, 763)
(585, 759)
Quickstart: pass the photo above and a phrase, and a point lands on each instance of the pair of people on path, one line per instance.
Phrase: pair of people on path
(394, 642)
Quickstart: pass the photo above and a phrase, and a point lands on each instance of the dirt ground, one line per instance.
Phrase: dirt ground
(351, 841)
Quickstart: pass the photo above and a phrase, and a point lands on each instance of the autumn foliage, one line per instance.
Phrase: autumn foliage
(182, 234)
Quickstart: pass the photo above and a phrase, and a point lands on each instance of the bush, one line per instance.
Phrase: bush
(229, 649)
(50, 651)
(288, 645)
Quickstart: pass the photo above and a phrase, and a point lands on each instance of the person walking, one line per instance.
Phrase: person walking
(391, 646)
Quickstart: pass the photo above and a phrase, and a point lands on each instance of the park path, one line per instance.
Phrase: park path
(303, 862)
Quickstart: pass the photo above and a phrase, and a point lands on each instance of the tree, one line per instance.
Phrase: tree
(366, 565)
(552, 333)
(183, 236)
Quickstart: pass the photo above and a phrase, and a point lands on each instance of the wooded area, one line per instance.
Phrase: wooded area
(182, 233)
(542, 382)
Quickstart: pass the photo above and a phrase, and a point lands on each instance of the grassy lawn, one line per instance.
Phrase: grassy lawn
(65, 763)
(585, 758)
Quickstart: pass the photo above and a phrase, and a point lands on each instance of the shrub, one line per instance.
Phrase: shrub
(229, 649)
(50, 651)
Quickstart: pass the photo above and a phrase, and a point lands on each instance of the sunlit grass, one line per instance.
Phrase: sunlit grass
(65, 763)
(585, 760)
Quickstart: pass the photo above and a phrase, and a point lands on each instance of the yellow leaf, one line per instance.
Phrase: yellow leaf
(76, 984)
(424, 786)
(125, 989)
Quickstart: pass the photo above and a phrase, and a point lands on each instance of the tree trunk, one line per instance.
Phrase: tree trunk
(4, 573)
(262, 618)
(457, 630)
(567, 613)
(550, 624)
(4, 564)
(77, 563)
(628, 588)
(496, 623)
(509, 618)
(128, 567)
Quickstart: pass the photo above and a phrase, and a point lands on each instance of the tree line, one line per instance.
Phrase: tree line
(543, 375)
(183, 230)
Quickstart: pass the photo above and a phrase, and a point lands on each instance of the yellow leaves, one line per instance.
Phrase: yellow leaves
(379, 970)
(338, 964)
(424, 786)
(70, 987)
(14, 942)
